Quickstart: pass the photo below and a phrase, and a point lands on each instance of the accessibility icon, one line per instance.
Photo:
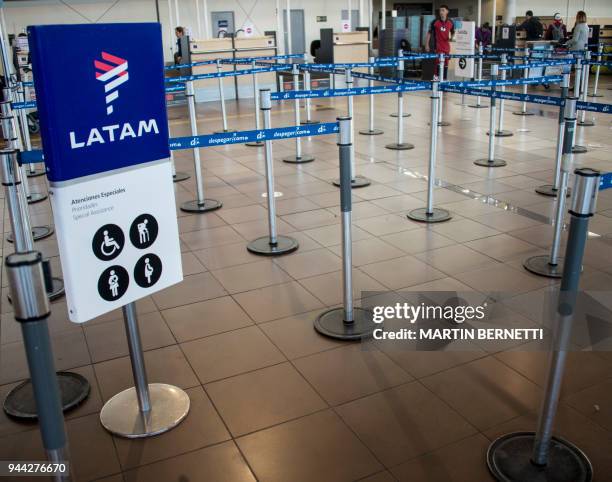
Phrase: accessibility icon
(148, 270)
(108, 242)
(113, 283)
(143, 231)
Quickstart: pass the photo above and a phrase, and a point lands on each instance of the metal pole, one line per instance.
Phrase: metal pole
(177, 176)
(288, 18)
(500, 132)
(308, 86)
(221, 96)
(348, 322)
(206, 27)
(170, 24)
(273, 244)
(478, 105)
(176, 12)
(430, 214)
(31, 308)
(139, 372)
(441, 65)
(524, 110)
(256, 143)
(549, 266)
(198, 19)
(491, 161)
(585, 83)
(298, 158)
(20, 221)
(200, 204)
(371, 131)
(400, 145)
(597, 68)
(578, 75)
(552, 189)
(32, 170)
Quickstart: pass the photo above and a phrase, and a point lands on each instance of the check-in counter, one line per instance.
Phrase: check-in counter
(351, 47)
(264, 46)
(218, 48)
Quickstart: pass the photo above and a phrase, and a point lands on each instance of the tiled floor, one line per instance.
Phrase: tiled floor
(271, 400)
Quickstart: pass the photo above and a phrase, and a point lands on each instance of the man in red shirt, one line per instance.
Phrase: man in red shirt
(439, 35)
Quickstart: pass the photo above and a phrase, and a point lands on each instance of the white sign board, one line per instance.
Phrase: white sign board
(465, 35)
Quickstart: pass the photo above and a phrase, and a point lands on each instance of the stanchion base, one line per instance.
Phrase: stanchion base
(509, 459)
(121, 415)
(262, 246)
(255, 144)
(539, 265)
(180, 176)
(503, 133)
(299, 160)
(20, 402)
(373, 132)
(331, 323)
(594, 95)
(476, 106)
(443, 124)
(586, 123)
(549, 190)
(404, 146)
(41, 172)
(356, 182)
(197, 207)
(38, 232)
(309, 122)
(520, 112)
(579, 150)
(222, 131)
(394, 114)
(490, 163)
(57, 289)
(436, 216)
(36, 197)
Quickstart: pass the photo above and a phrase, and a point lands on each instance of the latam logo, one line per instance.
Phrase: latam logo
(113, 72)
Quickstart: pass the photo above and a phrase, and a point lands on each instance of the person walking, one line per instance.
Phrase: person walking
(439, 36)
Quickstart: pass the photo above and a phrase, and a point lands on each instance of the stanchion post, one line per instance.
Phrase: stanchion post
(500, 132)
(348, 322)
(597, 68)
(585, 83)
(526, 455)
(221, 96)
(478, 105)
(553, 189)
(371, 131)
(578, 75)
(400, 78)
(491, 161)
(33, 171)
(430, 214)
(31, 308)
(177, 176)
(273, 244)
(308, 86)
(256, 143)
(441, 65)
(146, 409)
(524, 110)
(201, 204)
(400, 145)
(299, 158)
(550, 266)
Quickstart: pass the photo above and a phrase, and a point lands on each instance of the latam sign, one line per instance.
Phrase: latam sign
(101, 100)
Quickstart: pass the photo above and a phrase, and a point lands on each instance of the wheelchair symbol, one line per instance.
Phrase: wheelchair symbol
(108, 242)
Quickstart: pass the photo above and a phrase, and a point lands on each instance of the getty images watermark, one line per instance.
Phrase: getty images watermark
(443, 321)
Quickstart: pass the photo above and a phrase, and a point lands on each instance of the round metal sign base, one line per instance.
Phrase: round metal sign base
(263, 247)
(404, 146)
(255, 144)
(586, 123)
(579, 150)
(121, 415)
(180, 176)
(373, 132)
(488, 163)
(476, 106)
(222, 131)
(299, 160)
(331, 323)
(540, 265)
(520, 112)
(436, 216)
(443, 124)
(201, 207)
(309, 122)
(550, 191)
(38, 232)
(36, 197)
(357, 182)
(503, 133)
(36, 172)
(394, 114)
(595, 95)
(20, 401)
(509, 459)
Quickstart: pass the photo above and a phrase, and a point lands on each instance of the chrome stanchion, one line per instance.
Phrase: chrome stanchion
(597, 68)
(27, 287)
(257, 143)
(400, 145)
(430, 214)
(540, 456)
(553, 189)
(299, 158)
(371, 131)
(585, 87)
(308, 86)
(578, 76)
(524, 110)
(146, 409)
(221, 98)
(441, 64)
(500, 132)
(550, 265)
(478, 105)
(400, 76)
(273, 244)
(201, 204)
(347, 322)
(491, 161)
(356, 181)
(33, 170)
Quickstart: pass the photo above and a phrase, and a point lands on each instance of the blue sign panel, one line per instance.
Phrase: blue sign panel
(100, 96)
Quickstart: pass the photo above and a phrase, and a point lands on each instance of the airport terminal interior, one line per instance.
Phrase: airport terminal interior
(271, 360)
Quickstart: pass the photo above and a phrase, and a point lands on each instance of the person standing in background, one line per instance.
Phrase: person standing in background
(532, 26)
(483, 35)
(440, 35)
(556, 31)
(580, 34)
(178, 55)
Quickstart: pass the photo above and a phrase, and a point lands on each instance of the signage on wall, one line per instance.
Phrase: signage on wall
(105, 155)
(321, 18)
(346, 26)
(249, 29)
(464, 45)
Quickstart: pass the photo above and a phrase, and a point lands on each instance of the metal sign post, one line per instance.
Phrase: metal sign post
(273, 244)
(553, 189)
(441, 63)
(348, 322)
(221, 98)
(550, 265)
(478, 105)
(256, 105)
(578, 76)
(371, 131)
(308, 86)
(299, 158)
(585, 87)
(201, 204)
(524, 110)
(597, 68)
(529, 456)
(491, 161)
(500, 132)
(430, 214)
(400, 145)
